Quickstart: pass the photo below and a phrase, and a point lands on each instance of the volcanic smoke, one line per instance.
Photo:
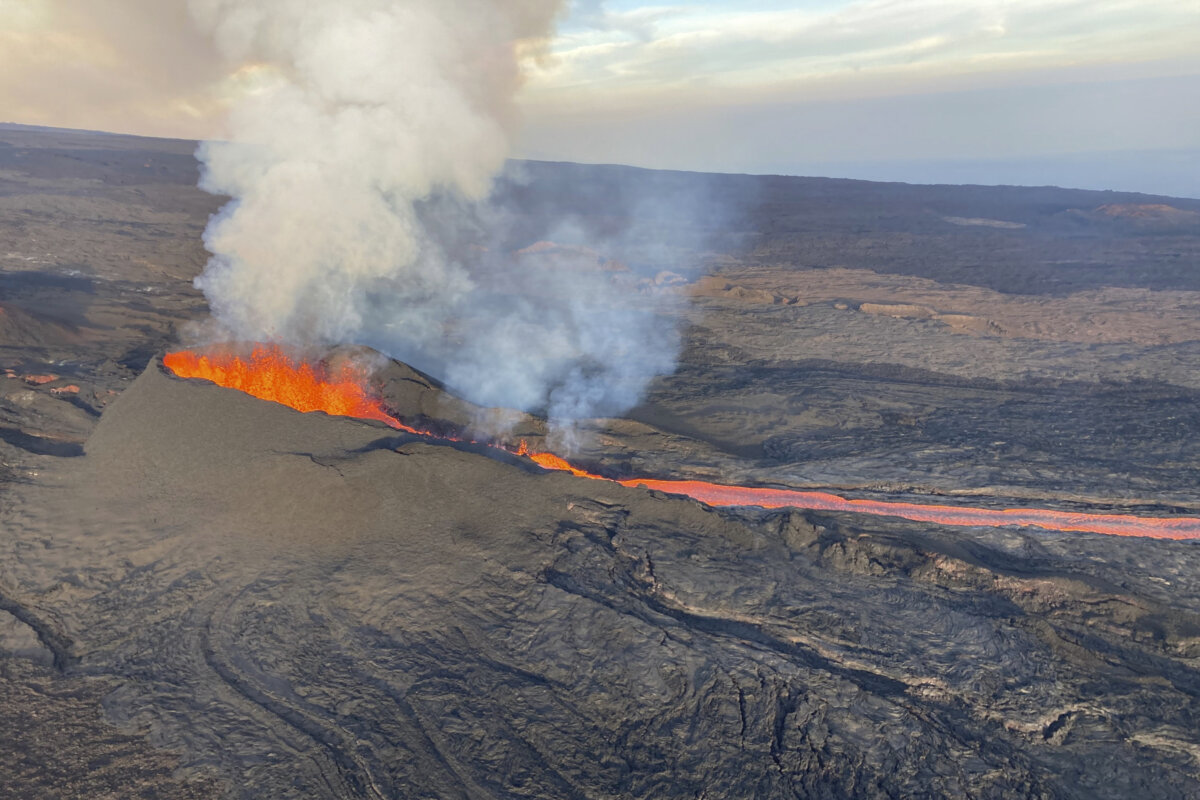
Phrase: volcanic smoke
(269, 374)
(362, 151)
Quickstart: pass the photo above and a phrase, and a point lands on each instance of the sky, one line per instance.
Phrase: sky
(1090, 93)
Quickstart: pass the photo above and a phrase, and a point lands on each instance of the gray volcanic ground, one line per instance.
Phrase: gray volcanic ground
(204, 595)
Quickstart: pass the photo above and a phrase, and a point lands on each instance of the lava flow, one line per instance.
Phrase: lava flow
(269, 374)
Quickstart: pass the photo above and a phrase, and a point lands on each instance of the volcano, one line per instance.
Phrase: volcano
(333, 607)
(269, 374)
(204, 594)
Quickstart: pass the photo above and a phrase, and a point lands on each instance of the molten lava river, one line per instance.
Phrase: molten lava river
(269, 374)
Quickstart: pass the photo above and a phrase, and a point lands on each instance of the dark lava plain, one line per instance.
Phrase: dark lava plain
(206, 595)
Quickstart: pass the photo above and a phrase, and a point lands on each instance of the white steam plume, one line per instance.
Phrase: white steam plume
(365, 112)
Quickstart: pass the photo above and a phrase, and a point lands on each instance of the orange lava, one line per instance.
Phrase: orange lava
(270, 374)
(715, 494)
(553, 462)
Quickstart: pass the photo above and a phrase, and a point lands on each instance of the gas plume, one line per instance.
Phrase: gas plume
(371, 122)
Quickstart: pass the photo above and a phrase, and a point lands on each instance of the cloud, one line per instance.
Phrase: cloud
(113, 64)
(985, 131)
(138, 64)
(640, 24)
(753, 50)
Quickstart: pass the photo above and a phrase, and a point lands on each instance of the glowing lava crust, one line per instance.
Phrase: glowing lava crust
(269, 374)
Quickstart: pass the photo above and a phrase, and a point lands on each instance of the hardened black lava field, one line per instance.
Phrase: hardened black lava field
(203, 594)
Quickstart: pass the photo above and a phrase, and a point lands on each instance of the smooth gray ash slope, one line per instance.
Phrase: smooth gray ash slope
(308, 606)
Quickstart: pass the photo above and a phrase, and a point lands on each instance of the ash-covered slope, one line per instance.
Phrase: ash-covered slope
(306, 606)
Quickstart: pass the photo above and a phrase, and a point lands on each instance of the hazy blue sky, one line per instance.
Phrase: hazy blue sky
(1103, 93)
(1096, 93)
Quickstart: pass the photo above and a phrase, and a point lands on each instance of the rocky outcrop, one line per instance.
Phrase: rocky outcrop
(713, 286)
(959, 323)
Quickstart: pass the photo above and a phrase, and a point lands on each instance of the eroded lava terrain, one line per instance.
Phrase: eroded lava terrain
(203, 594)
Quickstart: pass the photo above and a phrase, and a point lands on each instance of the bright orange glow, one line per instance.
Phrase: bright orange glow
(270, 375)
(716, 494)
(551, 461)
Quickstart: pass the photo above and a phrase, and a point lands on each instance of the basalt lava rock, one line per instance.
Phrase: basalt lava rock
(228, 598)
(308, 606)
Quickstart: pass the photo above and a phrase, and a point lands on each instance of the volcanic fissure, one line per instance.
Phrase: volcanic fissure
(268, 373)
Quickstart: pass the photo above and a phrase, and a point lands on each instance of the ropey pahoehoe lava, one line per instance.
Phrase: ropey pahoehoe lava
(269, 373)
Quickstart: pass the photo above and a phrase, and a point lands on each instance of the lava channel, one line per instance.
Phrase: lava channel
(269, 374)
